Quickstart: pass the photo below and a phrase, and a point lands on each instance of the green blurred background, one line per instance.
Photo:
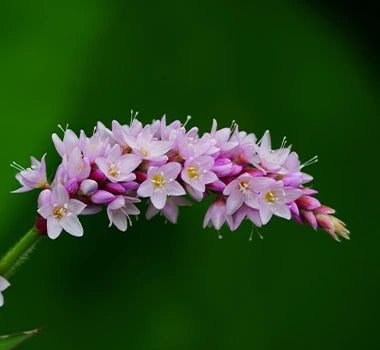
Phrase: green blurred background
(282, 66)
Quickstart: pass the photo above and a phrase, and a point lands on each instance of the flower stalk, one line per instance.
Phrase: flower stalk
(19, 253)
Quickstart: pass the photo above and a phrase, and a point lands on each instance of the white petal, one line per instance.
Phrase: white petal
(145, 189)
(292, 194)
(174, 189)
(234, 202)
(158, 199)
(45, 211)
(281, 210)
(59, 194)
(265, 214)
(72, 225)
(75, 206)
(119, 220)
(1, 300)
(54, 229)
(4, 284)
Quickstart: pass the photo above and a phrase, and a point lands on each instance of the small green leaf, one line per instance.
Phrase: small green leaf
(10, 341)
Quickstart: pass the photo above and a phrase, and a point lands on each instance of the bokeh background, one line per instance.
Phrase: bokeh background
(300, 69)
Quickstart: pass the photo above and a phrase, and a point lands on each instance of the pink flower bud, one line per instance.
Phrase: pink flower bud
(254, 172)
(98, 176)
(324, 221)
(130, 185)
(102, 196)
(308, 202)
(88, 187)
(310, 218)
(217, 186)
(140, 177)
(114, 188)
(71, 186)
(324, 210)
(309, 191)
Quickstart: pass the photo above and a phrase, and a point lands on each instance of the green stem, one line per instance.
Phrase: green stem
(19, 252)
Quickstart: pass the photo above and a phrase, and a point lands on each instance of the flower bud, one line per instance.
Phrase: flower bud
(98, 176)
(222, 167)
(114, 188)
(308, 202)
(310, 218)
(130, 185)
(102, 196)
(140, 177)
(324, 210)
(71, 185)
(217, 186)
(88, 187)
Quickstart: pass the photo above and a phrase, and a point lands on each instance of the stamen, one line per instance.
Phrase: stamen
(17, 166)
(310, 162)
(283, 143)
(187, 120)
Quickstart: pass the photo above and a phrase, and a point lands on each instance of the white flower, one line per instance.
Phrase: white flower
(4, 284)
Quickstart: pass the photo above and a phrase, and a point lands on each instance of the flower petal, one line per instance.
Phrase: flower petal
(72, 225)
(54, 229)
(174, 189)
(75, 206)
(158, 199)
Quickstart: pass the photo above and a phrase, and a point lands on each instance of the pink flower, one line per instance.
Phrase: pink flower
(61, 212)
(33, 177)
(274, 200)
(246, 212)
(118, 167)
(160, 183)
(69, 142)
(93, 147)
(170, 210)
(216, 215)
(4, 284)
(119, 209)
(245, 189)
(146, 147)
(76, 166)
(197, 172)
(268, 159)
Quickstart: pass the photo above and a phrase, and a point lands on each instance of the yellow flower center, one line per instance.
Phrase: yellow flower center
(270, 197)
(113, 171)
(243, 186)
(59, 212)
(144, 152)
(193, 172)
(158, 180)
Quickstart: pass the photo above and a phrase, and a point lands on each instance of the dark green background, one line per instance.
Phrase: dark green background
(281, 66)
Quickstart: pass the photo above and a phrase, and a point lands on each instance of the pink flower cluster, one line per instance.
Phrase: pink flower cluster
(166, 163)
